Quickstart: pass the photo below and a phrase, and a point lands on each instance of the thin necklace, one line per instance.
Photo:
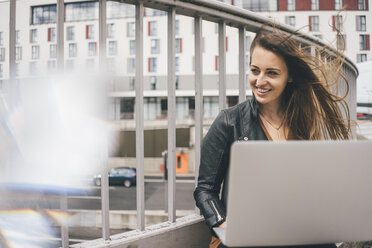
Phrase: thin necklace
(276, 128)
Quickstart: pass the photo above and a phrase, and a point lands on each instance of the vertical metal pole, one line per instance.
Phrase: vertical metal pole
(171, 117)
(222, 64)
(242, 67)
(12, 45)
(140, 119)
(60, 66)
(104, 178)
(60, 34)
(64, 227)
(198, 94)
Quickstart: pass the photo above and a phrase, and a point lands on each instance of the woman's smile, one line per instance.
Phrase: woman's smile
(262, 92)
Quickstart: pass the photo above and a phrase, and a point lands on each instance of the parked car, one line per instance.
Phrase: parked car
(119, 176)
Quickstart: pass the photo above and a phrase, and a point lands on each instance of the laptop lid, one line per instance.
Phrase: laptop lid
(299, 192)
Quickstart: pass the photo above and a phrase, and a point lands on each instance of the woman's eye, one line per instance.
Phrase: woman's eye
(254, 71)
(273, 73)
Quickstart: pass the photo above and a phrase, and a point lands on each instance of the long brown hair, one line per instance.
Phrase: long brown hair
(311, 110)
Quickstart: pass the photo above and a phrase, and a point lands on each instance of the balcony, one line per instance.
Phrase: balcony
(189, 230)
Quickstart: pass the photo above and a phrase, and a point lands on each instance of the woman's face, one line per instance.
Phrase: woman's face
(268, 76)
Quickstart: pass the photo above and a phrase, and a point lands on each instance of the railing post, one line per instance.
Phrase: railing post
(104, 174)
(222, 64)
(171, 117)
(64, 226)
(60, 66)
(12, 63)
(198, 94)
(60, 34)
(140, 119)
(242, 66)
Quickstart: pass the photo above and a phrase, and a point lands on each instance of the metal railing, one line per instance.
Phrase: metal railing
(224, 15)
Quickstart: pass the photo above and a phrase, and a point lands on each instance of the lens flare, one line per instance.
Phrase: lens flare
(54, 136)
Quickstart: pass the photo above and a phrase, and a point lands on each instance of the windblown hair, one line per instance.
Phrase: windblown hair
(311, 110)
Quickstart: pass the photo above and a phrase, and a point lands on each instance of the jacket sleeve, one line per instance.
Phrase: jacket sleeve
(212, 171)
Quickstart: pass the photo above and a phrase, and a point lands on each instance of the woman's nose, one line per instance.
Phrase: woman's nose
(260, 80)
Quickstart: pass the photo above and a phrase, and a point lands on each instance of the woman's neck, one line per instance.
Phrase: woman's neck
(271, 112)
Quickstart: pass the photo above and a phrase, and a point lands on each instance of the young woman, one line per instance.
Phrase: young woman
(292, 100)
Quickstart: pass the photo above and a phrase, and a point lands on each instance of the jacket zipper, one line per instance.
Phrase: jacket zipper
(219, 218)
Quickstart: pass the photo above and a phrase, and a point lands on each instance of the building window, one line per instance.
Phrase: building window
(313, 23)
(259, 5)
(52, 66)
(1, 39)
(131, 65)
(81, 11)
(33, 68)
(155, 47)
(338, 4)
(70, 33)
(90, 64)
(247, 63)
(362, 5)
(152, 64)
(72, 50)
(44, 14)
(132, 47)
(291, 4)
(51, 34)
(153, 81)
(290, 20)
(177, 61)
(337, 23)
(132, 81)
(179, 45)
(17, 71)
(70, 65)
(18, 37)
(35, 52)
(53, 51)
(177, 82)
(364, 42)
(89, 32)
(127, 108)
(2, 54)
(362, 57)
(177, 27)
(341, 42)
(92, 48)
(131, 29)
(18, 53)
(314, 4)
(1, 70)
(361, 23)
(111, 30)
(247, 43)
(152, 28)
(33, 35)
(113, 48)
(111, 65)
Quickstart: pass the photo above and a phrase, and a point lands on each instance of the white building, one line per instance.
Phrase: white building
(36, 49)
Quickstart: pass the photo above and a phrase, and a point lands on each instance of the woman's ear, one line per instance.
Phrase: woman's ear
(290, 79)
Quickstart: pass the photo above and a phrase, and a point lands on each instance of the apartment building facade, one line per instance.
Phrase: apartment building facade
(36, 56)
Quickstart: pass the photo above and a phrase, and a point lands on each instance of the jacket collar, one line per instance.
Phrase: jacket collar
(251, 127)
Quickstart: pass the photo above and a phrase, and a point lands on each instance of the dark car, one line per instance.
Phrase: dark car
(122, 175)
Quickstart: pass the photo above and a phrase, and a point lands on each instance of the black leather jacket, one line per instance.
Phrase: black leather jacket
(237, 123)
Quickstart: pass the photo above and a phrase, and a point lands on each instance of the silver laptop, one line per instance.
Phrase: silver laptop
(298, 193)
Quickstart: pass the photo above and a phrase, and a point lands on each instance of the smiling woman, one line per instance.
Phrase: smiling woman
(292, 100)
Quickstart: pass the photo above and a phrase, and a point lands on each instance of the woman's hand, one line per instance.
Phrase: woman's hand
(223, 225)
